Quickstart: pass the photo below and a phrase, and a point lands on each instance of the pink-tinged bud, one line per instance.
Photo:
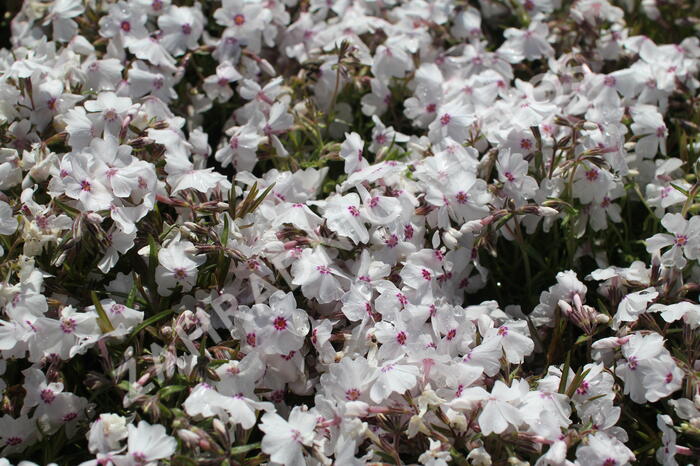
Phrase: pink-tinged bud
(290, 245)
(565, 307)
(476, 225)
(160, 125)
(379, 410)
(267, 67)
(204, 444)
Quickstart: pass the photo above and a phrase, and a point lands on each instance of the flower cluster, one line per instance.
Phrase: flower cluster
(350, 232)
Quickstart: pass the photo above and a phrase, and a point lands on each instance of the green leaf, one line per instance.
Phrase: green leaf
(166, 392)
(149, 321)
(102, 318)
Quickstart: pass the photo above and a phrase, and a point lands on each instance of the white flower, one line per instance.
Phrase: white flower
(284, 440)
(177, 266)
(684, 240)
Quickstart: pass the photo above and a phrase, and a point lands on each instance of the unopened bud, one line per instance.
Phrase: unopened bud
(547, 211)
(590, 126)
(187, 436)
(160, 125)
(602, 319)
(449, 239)
(476, 225)
(220, 428)
(267, 67)
(94, 218)
(565, 307)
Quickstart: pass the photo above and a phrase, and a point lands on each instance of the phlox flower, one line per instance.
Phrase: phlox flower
(285, 440)
(684, 240)
(177, 265)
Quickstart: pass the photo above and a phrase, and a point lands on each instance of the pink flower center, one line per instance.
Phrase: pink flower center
(239, 20)
(13, 441)
(186, 29)
(583, 388)
(354, 211)
(280, 323)
(430, 108)
(323, 269)
(592, 174)
(251, 339)
(445, 119)
(85, 186)
(352, 394)
(68, 325)
(502, 331)
(681, 240)
(47, 395)
(125, 26)
(509, 176)
(401, 338)
(180, 273)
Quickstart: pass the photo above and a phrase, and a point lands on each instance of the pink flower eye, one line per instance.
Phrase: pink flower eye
(251, 339)
(401, 338)
(502, 331)
(352, 394)
(47, 395)
(592, 174)
(353, 211)
(239, 20)
(68, 325)
(280, 323)
(125, 26)
(445, 119)
(681, 240)
(186, 29)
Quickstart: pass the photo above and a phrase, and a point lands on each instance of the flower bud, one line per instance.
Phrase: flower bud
(547, 211)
